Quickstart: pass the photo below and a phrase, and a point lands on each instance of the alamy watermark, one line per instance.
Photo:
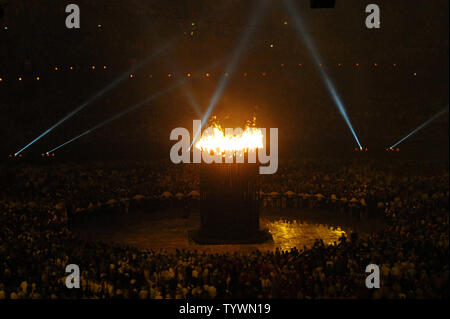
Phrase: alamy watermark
(373, 20)
(73, 278)
(373, 279)
(181, 151)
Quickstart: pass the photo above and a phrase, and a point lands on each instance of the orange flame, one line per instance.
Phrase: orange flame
(216, 139)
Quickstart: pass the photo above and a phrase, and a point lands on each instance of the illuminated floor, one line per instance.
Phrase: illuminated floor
(167, 230)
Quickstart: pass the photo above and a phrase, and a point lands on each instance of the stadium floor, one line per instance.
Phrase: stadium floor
(168, 230)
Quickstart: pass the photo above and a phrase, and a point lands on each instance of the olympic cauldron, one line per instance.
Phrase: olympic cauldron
(229, 187)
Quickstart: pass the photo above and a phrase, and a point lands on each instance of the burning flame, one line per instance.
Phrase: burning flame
(214, 139)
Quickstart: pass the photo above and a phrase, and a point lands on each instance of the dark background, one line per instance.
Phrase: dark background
(384, 102)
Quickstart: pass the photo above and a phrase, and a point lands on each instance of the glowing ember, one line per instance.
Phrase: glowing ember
(220, 141)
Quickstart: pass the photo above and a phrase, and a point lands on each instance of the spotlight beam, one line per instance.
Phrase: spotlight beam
(109, 87)
(293, 11)
(232, 64)
(173, 65)
(115, 117)
(189, 95)
(444, 110)
(128, 110)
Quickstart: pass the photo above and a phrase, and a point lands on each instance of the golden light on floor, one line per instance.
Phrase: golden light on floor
(157, 231)
(288, 235)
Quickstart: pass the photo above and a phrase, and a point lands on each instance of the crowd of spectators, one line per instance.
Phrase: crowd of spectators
(36, 242)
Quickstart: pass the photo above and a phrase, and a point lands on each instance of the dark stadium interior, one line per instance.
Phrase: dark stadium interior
(391, 80)
(384, 102)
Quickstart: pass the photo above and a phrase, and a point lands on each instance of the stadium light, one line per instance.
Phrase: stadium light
(298, 24)
(179, 83)
(98, 95)
(322, 4)
(421, 126)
